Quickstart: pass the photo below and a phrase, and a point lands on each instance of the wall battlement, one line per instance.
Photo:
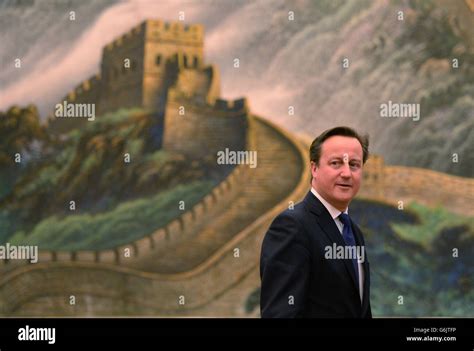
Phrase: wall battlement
(238, 105)
(84, 88)
(131, 35)
(174, 31)
(157, 30)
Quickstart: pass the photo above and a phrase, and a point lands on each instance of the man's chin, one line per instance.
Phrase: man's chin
(344, 197)
(345, 192)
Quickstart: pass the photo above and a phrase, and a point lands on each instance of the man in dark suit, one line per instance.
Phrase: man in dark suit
(313, 261)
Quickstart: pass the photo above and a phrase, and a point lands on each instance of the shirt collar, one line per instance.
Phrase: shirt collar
(334, 212)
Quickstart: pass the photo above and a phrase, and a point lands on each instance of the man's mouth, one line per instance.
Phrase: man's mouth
(345, 186)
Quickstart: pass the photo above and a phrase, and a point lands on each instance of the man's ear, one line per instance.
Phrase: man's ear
(314, 169)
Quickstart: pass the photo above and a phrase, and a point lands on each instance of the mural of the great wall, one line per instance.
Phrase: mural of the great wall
(113, 119)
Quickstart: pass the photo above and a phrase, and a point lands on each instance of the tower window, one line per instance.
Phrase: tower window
(158, 60)
(185, 61)
(195, 61)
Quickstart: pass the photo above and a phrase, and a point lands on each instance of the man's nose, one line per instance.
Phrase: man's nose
(345, 171)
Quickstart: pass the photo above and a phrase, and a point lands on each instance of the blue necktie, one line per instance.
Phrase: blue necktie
(348, 236)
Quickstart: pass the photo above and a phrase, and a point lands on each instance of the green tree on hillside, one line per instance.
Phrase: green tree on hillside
(19, 128)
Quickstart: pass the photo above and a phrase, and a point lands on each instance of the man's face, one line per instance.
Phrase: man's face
(337, 177)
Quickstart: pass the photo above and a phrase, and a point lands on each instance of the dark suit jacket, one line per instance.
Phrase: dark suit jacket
(293, 267)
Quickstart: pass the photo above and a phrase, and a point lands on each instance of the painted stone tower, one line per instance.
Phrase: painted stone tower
(160, 67)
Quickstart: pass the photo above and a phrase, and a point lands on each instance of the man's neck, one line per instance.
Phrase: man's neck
(333, 210)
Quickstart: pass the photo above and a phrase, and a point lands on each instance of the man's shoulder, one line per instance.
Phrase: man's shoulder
(292, 222)
(296, 212)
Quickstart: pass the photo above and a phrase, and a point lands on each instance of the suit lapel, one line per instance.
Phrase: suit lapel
(326, 222)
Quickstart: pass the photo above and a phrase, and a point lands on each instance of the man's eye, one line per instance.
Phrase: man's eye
(355, 165)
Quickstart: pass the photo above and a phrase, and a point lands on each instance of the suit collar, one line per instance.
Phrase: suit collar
(313, 204)
(325, 220)
(334, 212)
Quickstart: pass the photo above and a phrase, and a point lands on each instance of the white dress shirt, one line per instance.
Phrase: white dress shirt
(334, 212)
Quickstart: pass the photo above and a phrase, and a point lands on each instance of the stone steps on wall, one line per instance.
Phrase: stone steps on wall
(267, 184)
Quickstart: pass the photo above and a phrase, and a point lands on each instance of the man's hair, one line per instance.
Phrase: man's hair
(317, 144)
